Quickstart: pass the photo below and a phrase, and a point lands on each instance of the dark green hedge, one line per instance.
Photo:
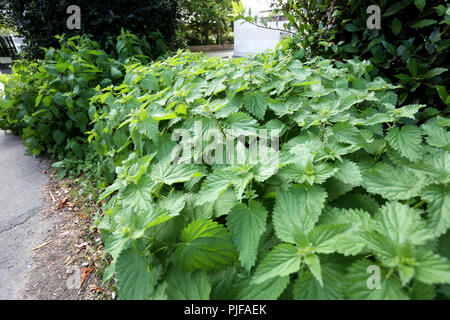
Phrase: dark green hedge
(38, 21)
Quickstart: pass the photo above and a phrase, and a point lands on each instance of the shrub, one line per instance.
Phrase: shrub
(411, 48)
(47, 102)
(38, 21)
(360, 182)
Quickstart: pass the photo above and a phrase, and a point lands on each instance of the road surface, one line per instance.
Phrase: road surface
(21, 183)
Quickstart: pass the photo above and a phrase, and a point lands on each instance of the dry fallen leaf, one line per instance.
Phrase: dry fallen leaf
(62, 203)
(84, 274)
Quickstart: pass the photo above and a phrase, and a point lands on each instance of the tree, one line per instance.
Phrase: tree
(39, 21)
(205, 18)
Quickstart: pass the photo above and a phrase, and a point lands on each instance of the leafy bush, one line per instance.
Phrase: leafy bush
(360, 182)
(38, 21)
(411, 48)
(47, 102)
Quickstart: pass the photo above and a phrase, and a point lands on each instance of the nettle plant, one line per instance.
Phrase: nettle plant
(360, 184)
(47, 101)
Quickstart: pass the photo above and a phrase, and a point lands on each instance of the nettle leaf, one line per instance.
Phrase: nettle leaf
(283, 260)
(360, 283)
(215, 184)
(438, 199)
(349, 243)
(436, 136)
(225, 203)
(207, 245)
(313, 263)
(431, 268)
(324, 238)
(187, 286)
(270, 289)
(297, 211)
(382, 247)
(139, 195)
(256, 103)
(247, 224)
(133, 276)
(149, 128)
(307, 287)
(357, 200)
(402, 224)
(348, 172)
(392, 183)
(406, 140)
(169, 173)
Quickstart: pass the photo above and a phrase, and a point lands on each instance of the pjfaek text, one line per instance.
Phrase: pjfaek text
(233, 310)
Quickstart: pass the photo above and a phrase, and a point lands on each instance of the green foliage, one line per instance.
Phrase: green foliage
(47, 101)
(360, 181)
(200, 19)
(39, 21)
(410, 49)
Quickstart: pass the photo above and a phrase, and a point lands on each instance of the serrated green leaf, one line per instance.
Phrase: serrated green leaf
(214, 185)
(348, 172)
(392, 183)
(402, 224)
(431, 268)
(169, 173)
(133, 276)
(149, 128)
(324, 238)
(438, 199)
(283, 260)
(436, 136)
(356, 287)
(351, 242)
(297, 211)
(256, 103)
(187, 286)
(270, 289)
(247, 224)
(313, 263)
(206, 245)
(306, 287)
(225, 203)
(406, 140)
(138, 195)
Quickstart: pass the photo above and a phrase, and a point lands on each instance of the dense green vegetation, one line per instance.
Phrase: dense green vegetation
(356, 175)
(47, 101)
(411, 48)
(359, 182)
(38, 21)
(199, 20)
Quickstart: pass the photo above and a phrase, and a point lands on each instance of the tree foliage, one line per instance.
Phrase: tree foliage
(39, 21)
(200, 19)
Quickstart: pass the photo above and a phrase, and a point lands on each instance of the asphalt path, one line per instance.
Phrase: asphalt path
(21, 229)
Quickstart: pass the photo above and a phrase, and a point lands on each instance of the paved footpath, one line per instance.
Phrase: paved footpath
(21, 230)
